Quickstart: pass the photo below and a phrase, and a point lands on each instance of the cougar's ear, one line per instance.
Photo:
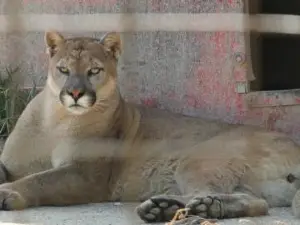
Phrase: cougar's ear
(52, 40)
(112, 43)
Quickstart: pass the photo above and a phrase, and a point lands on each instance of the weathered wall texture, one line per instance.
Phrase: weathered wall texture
(191, 73)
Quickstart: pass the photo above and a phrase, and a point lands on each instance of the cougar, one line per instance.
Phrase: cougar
(78, 141)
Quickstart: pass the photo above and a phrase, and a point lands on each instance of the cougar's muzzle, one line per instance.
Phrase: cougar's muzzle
(77, 93)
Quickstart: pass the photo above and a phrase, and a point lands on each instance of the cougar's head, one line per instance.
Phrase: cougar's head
(82, 71)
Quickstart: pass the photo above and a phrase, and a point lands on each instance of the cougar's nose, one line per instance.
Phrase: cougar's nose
(75, 93)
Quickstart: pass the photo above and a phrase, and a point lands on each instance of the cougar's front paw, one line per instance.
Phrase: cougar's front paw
(158, 209)
(11, 200)
(3, 173)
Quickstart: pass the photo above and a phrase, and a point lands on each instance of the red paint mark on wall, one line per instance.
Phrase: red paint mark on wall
(241, 110)
(268, 101)
(151, 102)
(156, 5)
(297, 100)
(235, 46)
(171, 95)
(191, 101)
(273, 117)
(220, 46)
(239, 75)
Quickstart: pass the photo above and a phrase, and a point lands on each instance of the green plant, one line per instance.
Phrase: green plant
(13, 100)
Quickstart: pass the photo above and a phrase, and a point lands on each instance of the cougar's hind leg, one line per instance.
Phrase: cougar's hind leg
(220, 206)
(214, 184)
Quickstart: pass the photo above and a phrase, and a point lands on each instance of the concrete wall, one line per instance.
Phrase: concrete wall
(193, 73)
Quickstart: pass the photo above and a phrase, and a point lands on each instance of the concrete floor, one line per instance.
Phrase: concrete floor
(112, 214)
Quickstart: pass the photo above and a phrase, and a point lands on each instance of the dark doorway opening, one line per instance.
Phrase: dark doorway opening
(278, 65)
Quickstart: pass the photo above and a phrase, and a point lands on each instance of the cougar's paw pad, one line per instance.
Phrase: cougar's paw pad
(11, 200)
(158, 209)
(206, 207)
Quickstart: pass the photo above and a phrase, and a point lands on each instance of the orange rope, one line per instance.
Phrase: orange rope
(183, 214)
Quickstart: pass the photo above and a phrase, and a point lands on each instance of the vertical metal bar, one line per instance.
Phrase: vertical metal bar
(14, 35)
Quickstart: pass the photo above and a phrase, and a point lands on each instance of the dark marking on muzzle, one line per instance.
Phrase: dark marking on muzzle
(77, 86)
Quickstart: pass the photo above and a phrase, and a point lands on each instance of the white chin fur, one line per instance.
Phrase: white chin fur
(77, 110)
(83, 103)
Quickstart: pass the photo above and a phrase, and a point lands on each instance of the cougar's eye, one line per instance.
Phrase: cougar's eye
(63, 70)
(94, 71)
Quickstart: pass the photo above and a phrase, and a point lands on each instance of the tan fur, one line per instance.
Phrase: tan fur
(114, 150)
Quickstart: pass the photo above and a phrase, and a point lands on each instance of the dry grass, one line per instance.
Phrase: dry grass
(13, 100)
